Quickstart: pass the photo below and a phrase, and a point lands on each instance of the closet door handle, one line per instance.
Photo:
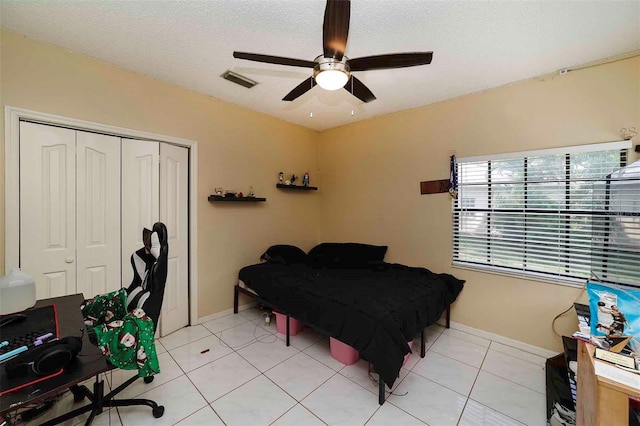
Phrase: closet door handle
(69, 259)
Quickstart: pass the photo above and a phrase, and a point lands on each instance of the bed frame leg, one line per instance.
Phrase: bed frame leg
(380, 390)
(288, 329)
(449, 316)
(423, 344)
(235, 298)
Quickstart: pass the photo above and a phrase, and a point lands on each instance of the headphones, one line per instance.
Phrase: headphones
(45, 359)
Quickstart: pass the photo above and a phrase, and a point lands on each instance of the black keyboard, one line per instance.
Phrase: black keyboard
(26, 339)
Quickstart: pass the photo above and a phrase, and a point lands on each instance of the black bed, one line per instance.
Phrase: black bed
(375, 308)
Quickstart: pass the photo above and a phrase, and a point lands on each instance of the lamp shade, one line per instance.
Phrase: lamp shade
(332, 79)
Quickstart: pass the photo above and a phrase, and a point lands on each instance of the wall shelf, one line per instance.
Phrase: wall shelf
(219, 198)
(297, 187)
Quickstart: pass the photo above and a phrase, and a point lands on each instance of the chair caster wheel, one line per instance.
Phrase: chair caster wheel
(77, 394)
(148, 379)
(158, 412)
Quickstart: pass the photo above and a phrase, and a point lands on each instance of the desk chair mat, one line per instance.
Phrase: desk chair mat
(39, 321)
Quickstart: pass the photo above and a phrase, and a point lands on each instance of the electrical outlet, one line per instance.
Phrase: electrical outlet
(267, 319)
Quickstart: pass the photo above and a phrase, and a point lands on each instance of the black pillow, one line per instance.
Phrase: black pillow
(345, 255)
(284, 254)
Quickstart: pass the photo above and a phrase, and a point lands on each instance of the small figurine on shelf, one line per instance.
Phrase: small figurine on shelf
(281, 178)
(305, 179)
(251, 193)
(293, 179)
(219, 192)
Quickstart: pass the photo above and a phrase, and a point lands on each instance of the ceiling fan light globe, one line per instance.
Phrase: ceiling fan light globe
(332, 79)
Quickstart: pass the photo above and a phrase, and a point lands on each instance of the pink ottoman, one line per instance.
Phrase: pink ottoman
(343, 352)
(295, 326)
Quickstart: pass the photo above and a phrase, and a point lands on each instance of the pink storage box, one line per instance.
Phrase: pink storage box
(343, 352)
(295, 326)
(407, 356)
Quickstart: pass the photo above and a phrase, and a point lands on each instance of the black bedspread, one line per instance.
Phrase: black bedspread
(376, 310)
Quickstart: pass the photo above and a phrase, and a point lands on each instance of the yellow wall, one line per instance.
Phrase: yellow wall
(237, 148)
(371, 171)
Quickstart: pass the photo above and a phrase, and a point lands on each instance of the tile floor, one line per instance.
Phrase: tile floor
(249, 377)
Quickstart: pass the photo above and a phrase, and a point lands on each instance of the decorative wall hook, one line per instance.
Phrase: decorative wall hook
(628, 133)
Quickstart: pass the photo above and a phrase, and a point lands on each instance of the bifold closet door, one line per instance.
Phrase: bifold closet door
(98, 213)
(174, 212)
(48, 208)
(140, 197)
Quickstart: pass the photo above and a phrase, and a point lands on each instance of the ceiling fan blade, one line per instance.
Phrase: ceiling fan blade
(392, 60)
(359, 90)
(300, 89)
(279, 60)
(336, 28)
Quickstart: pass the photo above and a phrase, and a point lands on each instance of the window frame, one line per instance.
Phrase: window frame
(564, 214)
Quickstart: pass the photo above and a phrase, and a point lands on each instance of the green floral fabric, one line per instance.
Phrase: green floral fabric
(125, 338)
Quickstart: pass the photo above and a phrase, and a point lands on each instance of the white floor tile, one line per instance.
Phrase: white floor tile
(434, 330)
(241, 335)
(159, 348)
(179, 398)
(516, 370)
(169, 370)
(460, 350)
(428, 401)
(339, 401)
(66, 404)
(518, 402)
(298, 416)
(390, 415)
(225, 322)
(265, 356)
(359, 373)
(517, 353)
(223, 375)
(253, 314)
(447, 372)
(467, 337)
(322, 352)
(258, 402)
(183, 336)
(304, 339)
(203, 417)
(476, 414)
(198, 353)
(300, 375)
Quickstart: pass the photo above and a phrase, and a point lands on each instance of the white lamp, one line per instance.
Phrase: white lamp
(332, 79)
(331, 74)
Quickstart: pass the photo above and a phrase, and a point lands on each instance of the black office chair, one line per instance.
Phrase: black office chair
(146, 291)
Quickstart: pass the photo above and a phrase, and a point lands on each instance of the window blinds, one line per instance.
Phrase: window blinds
(550, 214)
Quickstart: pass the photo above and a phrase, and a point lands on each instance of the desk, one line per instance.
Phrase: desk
(601, 401)
(90, 363)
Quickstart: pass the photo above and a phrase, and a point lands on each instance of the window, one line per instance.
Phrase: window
(552, 214)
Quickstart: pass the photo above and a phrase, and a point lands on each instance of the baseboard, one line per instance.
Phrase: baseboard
(536, 350)
(224, 313)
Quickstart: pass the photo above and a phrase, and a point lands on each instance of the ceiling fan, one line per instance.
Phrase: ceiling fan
(332, 70)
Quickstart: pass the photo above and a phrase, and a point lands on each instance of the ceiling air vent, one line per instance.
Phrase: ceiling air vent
(238, 79)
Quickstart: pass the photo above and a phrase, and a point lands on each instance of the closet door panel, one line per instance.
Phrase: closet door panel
(48, 208)
(140, 197)
(174, 212)
(98, 213)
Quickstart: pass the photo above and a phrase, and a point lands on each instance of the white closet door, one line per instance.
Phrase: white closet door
(98, 213)
(140, 197)
(47, 208)
(174, 201)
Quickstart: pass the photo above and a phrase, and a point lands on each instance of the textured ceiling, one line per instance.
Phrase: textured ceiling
(477, 45)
